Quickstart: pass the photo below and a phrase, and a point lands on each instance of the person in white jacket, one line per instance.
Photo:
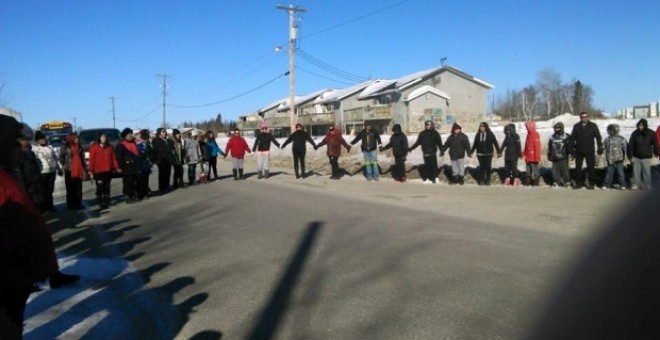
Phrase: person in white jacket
(193, 156)
(48, 165)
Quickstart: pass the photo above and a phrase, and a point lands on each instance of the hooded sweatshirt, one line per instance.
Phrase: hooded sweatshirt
(457, 143)
(430, 141)
(398, 143)
(532, 143)
(559, 146)
(642, 143)
(511, 144)
(615, 145)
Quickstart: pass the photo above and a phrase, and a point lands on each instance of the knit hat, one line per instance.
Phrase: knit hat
(299, 126)
(125, 132)
(456, 126)
(263, 126)
(39, 135)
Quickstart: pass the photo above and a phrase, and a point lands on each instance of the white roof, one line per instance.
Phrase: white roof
(272, 105)
(425, 89)
(301, 100)
(335, 95)
(376, 87)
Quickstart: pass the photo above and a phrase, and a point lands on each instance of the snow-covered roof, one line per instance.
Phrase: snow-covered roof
(335, 95)
(272, 105)
(468, 76)
(411, 79)
(376, 87)
(301, 100)
(426, 89)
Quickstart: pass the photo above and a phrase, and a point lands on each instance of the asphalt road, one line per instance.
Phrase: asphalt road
(320, 259)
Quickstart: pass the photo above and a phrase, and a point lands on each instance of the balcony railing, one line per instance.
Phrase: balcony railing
(248, 125)
(368, 113)
(275, 122)
(317, 119)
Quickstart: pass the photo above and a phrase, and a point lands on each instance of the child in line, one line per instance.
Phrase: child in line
(615, 152)
(512, 152)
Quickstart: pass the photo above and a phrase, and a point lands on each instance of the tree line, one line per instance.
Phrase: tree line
(548, 97)
(216, 125)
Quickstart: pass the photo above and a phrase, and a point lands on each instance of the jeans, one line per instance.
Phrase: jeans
(371, 163)
(192, 172)
(609, 176)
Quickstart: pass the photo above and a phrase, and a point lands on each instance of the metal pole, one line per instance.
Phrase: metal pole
(291, 10)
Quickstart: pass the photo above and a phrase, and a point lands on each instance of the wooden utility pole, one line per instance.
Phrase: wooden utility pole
(293, 30)
(114, 125)
(164, 85)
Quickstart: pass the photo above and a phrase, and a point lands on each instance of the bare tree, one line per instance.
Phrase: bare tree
(528, 102)
(548, 83)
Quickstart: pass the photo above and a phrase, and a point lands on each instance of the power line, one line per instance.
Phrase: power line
(331, 69)
(356, 19)
(320, 76)
(233, 97)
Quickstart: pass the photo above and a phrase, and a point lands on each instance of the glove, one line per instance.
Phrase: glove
(470, 155)
(348, 148)
(600, 151)
(380, 148)
(316, 147)
(499, 155)
(60, 172)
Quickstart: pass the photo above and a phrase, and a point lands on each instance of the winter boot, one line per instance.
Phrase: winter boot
(453, 180)
(302, 167)
(461, 180)
(536, 181)
(59, 279)
(240, 173)
(516, 182)
(266, 174)
(235, 174)
(296, 171)
(507, 182)
(100, 201)
(106, 199)
(260, 174)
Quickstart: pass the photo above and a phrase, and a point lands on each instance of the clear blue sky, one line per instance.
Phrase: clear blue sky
(63, 59)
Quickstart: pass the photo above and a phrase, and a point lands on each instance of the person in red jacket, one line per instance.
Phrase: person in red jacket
(532, 154)
(102, 163)
(27, 252)
(237, 147)
(335, 141)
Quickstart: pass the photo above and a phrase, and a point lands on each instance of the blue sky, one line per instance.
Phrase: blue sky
(63, 59)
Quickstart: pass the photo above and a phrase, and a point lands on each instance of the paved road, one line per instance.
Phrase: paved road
(318, 259)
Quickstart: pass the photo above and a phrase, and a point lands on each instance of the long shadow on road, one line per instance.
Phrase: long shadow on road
(271, 315)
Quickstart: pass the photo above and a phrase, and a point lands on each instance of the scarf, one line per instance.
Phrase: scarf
(76, 162)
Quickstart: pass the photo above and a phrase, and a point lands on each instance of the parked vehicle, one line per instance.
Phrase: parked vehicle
(57, 141)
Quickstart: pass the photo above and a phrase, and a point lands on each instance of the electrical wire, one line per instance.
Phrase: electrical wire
(320, 76)
(331, 69)
(231, 98)
(356, 19)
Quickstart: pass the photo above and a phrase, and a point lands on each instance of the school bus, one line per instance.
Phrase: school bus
(55, 127)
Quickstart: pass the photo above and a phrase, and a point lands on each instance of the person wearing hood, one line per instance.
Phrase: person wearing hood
(458, 145)
(399, 145)
(431, 143)
(27, 251)
(214, 151)
(162, 157)
(641, 148)
(370, 142)
(335, 141)
(28, 171)
(102, 163)
(532, 154)
(72, 160)
(559, 148)
(484, 144)
(49, 166)
(178, 158)
(583, 136)
(146, 154)
(512, 152)
(299, 138)
(129, 161)
(261, 148)
(616, 148)
(237, 147)
(193, 155)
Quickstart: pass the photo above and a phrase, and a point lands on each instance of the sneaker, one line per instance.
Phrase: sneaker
(376, 179)
(604, 188)
(623, 188)
(368, 178)
(516, 182)
(507, 182)
(427, 181)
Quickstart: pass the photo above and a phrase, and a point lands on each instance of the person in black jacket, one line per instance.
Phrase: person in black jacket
(299, 138)
(162, 157)
(458, 145)
(370, 143)
(559, 147)
(512, 152)
(399, 144)
(641, 148)
(262, 149)
(582, 137)
(484, 143)
(129, 162)
(431, 142)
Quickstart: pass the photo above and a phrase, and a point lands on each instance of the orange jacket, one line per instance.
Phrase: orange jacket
(532, 144)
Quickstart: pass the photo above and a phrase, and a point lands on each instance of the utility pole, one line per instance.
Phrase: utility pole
(113, 111)
(293, 31)
(164, 86)
(75, 123)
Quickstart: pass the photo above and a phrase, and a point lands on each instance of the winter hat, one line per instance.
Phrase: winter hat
(263, 126)
(456, 126)
(299, 126)
(125, 132)
(39, 135)
(396, 128)
(613, 129)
